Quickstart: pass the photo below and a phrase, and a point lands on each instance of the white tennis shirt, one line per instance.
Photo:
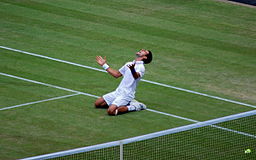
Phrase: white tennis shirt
(128, 85)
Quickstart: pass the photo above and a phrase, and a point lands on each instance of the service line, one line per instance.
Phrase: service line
(35, 102)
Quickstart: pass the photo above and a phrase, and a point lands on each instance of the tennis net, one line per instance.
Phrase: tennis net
(230, 137)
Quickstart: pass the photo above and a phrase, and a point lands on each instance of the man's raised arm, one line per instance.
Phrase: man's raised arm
(103, 62)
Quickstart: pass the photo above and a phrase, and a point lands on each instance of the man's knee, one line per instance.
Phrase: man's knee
(112, 110)
(99, 103)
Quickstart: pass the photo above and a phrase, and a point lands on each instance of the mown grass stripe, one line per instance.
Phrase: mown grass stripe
(113, 41)
(146, 29)
(137, 27)
(82, 34)
(140, 18)
(87, 34)
(186, 9)
(172, 14)
(27, 24)
(180, 14)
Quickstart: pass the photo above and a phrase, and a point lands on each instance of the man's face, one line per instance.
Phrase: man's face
(142, 53)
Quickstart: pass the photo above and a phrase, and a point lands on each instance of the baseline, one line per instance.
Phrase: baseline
(147, 81)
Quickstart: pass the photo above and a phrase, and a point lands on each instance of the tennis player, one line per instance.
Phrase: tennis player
(122, 99)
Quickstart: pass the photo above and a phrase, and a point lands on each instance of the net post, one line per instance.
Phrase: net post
(121, 150)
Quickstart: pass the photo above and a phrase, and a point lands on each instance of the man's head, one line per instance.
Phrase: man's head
(145, 56)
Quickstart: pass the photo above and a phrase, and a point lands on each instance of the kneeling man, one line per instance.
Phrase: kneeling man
(122, 100)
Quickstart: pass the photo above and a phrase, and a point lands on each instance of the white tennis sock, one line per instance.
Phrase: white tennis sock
(131, 108)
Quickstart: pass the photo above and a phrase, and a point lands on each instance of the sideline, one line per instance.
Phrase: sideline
(148, 81)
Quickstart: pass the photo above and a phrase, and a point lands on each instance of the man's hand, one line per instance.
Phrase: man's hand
(103, 62)
(134, 73)
(131, 67)
(100, 60)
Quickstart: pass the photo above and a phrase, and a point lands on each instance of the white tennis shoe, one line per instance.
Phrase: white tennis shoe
(137, 105)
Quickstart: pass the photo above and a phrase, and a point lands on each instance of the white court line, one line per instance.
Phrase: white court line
(48, 85)
(148, 81)
(45, 100)
(87, 94)
(195, 121)
(172, 115)
(141, 138)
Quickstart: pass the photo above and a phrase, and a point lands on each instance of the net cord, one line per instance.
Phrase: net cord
(144, 137)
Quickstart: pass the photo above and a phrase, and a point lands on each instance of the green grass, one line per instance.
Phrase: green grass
(202, 45)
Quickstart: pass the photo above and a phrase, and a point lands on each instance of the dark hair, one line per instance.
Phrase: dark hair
(149, 57)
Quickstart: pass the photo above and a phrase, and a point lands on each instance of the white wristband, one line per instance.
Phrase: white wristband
(105, 66)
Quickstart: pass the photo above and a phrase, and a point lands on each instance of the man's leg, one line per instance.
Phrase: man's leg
(118, 106)
(136, 106)
(100, 103)
(113, 110)
(133, 106)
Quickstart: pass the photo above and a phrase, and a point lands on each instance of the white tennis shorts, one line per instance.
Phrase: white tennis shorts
(118, 100)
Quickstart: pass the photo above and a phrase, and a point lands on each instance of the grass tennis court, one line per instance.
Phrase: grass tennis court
(200, 45)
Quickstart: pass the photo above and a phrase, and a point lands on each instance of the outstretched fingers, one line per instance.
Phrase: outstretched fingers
(100, 60)
(131, 66)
